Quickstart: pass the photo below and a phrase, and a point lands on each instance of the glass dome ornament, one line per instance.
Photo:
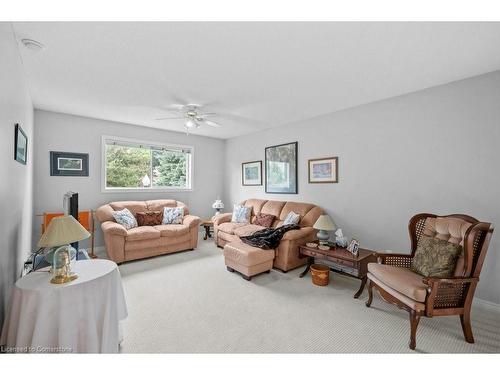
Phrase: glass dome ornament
(61, 266)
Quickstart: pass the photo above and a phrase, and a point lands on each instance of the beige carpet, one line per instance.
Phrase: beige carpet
(188, 303)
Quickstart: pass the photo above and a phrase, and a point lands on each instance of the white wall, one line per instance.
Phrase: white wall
(437, 150)
(61, 132)
(16, 180)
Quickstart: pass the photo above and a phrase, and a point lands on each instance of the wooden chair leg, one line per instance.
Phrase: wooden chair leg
(414, 320)
(466, 326)
(370, 294)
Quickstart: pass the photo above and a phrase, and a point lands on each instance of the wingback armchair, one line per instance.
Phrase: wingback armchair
(392, 277)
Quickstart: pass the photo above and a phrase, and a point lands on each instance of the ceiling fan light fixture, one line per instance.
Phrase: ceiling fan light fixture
(190, 124)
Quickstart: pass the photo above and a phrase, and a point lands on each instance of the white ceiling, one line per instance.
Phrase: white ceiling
(274, 73)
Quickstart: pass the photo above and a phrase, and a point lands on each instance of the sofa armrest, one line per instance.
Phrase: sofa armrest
(191, 221)
(222, 218)
(110, 227)
(297, 234)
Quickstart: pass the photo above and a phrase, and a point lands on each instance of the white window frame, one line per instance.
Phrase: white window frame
(110, 138)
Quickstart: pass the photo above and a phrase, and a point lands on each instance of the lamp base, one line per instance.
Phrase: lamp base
(63, 279)
(323, 237)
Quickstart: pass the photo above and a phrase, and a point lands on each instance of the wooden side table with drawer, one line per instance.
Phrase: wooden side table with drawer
(341, 261)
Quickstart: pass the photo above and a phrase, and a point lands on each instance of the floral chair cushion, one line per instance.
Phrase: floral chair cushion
(435, 257)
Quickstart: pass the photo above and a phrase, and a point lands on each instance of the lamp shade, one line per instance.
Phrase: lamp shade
(218, 204)
(324, 222)
(63, 230)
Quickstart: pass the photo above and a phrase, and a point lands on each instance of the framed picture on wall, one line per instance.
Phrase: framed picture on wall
(323, 171)
(20, 145)
(281, 169)
(69, 164)
(251, 173)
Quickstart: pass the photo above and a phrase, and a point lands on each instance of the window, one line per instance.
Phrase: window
(132, 165)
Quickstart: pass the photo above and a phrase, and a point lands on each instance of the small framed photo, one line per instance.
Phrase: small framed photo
(251, 173)
(20, 145)
(323, 171)
(353, 247)
(69, 164)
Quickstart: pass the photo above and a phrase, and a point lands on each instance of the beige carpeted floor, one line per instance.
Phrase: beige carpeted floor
(188, 303)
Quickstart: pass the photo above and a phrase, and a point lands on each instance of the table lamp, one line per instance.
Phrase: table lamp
(61, 232)
(324, 224)
(218, 205)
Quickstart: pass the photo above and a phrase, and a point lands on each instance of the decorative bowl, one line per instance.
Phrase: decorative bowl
(323, 247)
(312, 244)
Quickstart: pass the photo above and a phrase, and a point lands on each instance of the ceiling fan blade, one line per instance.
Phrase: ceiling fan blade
(212, 124)
(207, 114)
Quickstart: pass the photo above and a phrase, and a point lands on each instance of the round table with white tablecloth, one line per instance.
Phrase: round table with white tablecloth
(78, 317)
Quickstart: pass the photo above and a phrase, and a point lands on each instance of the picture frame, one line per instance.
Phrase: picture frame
(323, 170)
(251, 173)
(69, 164)
(20, 145)
(281, 163)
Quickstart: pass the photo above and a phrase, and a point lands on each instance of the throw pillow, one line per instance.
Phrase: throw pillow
(241, 214)
(173, 215)
(435, 257)
(264, 220)
(125, 218)
(149, 218)
(291, 218)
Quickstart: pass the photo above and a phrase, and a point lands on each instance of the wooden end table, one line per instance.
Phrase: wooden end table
(341, 261)
(208, 224)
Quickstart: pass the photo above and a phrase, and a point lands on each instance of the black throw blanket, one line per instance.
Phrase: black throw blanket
(269, 238)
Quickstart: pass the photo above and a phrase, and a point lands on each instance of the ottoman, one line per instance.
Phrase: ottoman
(247, 260)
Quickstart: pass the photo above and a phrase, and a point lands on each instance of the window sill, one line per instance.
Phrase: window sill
(141, 190)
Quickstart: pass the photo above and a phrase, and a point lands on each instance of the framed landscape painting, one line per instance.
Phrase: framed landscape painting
(323, 171)
(69, 164)
(281, 169)
(251, 173)
(20, 145)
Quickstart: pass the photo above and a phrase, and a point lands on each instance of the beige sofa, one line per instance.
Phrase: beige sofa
(146, 241)
(287, 254)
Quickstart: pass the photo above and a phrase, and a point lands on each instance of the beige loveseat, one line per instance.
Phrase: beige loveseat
(146, 241)
(287, 253)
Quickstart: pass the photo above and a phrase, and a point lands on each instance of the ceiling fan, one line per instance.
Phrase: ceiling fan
(192, 115)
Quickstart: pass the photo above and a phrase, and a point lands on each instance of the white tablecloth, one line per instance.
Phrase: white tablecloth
(78, 317)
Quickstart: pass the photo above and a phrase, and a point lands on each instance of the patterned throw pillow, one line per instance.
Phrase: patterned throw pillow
(149, 218)
(241, 214)
(264, 220)
(173, 215)
(292, 218)
(435, 257)
(125, 218)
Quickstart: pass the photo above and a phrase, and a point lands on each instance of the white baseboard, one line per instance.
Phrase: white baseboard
(486, 304)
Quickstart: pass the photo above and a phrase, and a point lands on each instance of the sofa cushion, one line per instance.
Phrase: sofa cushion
(247, 255)
(435, 257)
(229, 227)
(142, 233)
(149, 218)
(292, 218)
(159, 204)
(273, 208)
(132, 206)
(401, 279)
(247, 230)
(170, 230)
(265, 220)
(241, 214)
(125, 218)
(173, 215)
